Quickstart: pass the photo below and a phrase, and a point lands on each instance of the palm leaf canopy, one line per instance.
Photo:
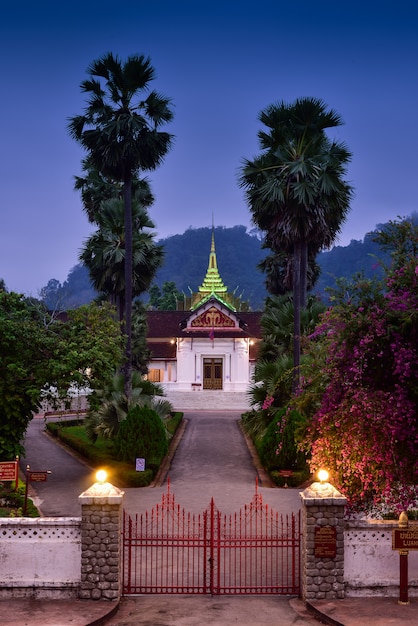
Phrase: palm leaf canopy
(104, 251)
(118, 129)
(295, 187)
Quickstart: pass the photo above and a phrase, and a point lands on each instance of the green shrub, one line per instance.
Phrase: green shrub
(54, 428)
(141, 435)
(12, 502)
(76, 438)
(131, 478)
(297, 478)
(278, 448)
(173, 422)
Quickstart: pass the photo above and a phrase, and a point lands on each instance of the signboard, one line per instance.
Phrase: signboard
(8, 470)
(37, 477)
(405, 538)
(325, 545)
(140, 465)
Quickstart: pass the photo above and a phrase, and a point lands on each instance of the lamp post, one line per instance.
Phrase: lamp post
(38, 477)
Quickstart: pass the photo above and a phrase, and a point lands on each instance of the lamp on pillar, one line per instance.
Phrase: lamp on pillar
(101, 526)
(322, 569)
(323, 476)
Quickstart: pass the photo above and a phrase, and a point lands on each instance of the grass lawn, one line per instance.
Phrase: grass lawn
(100, 454)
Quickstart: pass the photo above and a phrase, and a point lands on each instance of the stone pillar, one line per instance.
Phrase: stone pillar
(101, 542)
(322, 573)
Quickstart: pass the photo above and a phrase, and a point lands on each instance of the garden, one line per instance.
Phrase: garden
(143, 435)
(355, 411)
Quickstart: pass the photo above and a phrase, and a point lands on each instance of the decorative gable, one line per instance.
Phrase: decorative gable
(212, 318)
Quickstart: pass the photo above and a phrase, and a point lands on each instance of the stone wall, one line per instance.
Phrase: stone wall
(101, 541)
(322, 571)
(100, 563)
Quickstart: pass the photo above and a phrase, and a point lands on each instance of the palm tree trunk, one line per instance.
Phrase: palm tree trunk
(297, 258)
(303, 274)
(127, 193)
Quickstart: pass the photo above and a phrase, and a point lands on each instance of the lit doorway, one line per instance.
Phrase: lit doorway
(212, 373)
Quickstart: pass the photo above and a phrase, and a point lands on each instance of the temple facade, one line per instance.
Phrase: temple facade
(209, 343)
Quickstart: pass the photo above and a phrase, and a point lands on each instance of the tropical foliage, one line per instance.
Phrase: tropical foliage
(110, 405)
(297, 194)
(104, 252)
(120, 131)
(273, 374)
(360, 390)
(42, 357)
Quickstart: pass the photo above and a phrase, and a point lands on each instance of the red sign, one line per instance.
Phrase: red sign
(37, 477)
(8, 470)
(405, 538)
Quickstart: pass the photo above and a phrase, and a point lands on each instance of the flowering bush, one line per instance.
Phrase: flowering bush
(363, 404)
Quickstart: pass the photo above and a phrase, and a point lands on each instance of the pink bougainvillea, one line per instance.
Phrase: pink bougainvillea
(363, 423)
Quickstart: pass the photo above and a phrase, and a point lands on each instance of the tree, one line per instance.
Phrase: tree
(104, 253)
(110, 404)
(23, 348)
(295, 189)
(141, 354)
(164, 299)
(95, 188)
(120, 132)
(361, 382)
(89, 347)
(43, 357)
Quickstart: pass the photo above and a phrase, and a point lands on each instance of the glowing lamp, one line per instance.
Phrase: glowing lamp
(323, 476)
(101, 476)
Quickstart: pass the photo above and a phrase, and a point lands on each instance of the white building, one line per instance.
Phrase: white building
(209, 343)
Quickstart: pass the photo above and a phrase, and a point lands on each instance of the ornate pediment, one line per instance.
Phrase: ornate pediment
(213, 318)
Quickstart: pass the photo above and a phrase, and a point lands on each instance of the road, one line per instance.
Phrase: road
(212, 460)
(58, 496)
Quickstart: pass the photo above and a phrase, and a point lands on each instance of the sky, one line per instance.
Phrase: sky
(220, 62)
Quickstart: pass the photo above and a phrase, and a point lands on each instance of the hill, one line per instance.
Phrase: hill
(238, 254)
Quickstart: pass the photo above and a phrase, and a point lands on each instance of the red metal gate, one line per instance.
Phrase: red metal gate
(169, 550)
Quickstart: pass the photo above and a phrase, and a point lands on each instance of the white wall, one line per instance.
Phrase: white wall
(371, 567)
(41, 554)
(234, 353)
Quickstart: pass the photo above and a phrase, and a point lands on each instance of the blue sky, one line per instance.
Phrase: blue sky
(221, 62)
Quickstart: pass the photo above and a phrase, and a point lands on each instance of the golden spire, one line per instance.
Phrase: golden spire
(212, 282)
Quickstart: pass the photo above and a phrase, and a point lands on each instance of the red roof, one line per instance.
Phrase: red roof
(162, 350)
(170, 324)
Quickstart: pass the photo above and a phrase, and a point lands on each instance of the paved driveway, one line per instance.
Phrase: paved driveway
(212, 460)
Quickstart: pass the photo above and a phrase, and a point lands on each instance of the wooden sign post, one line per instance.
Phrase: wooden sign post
(404, 539)
(37, 477)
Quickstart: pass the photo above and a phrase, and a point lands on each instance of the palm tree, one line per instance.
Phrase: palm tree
(278, 270)
(120, 131)
(104, 253)
(114, 405)
(277, 324)
(295, 189)
(95, 188)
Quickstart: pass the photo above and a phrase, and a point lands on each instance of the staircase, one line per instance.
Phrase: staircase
(208, 400)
